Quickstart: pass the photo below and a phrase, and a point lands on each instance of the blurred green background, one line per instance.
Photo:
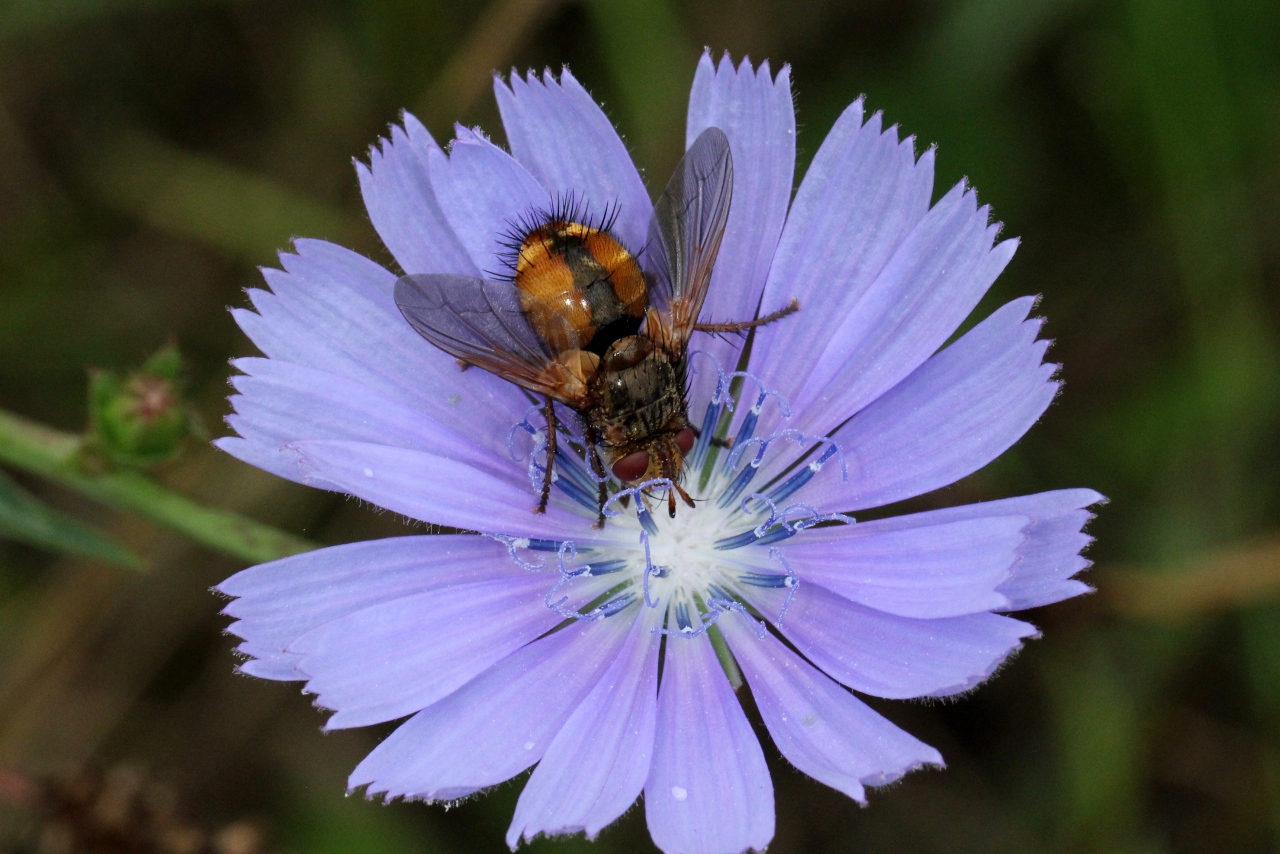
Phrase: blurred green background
(154, 152)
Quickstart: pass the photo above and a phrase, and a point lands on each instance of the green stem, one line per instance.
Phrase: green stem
(55, 455)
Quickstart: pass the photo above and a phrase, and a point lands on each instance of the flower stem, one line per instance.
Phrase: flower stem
(55, 455)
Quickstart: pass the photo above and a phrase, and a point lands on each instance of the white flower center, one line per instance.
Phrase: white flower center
(698, 561)
(685, 549)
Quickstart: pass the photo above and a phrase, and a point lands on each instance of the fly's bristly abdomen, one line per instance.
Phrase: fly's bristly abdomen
(568, 271)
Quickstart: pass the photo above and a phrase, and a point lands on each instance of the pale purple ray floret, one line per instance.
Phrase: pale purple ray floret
(536, 641)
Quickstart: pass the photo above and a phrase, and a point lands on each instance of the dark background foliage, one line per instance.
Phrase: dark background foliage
(154, 152)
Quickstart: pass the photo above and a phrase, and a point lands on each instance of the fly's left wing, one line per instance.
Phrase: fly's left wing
(685, 232)
(482, 323)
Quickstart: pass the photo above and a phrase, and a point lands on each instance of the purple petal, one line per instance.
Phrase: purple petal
(443, 490)
(397, 193)
(956, 413)
(333, 311)
(567, 142)
(709, 790)
(270, 459)
(280, 402)
(859, 200)
(496, 725)
(1048, 558)
(754, 110)
(597, 764)
(944, 569)
(277, 602)
(484, 194)
(932, 282)
(888, 656)
(398, 657)
(818, 726)
(1052, 552)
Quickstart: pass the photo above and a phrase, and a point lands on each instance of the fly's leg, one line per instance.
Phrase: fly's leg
(716, 441)
(671, 499)
(549, 411)
(743, 326)
(593, 453)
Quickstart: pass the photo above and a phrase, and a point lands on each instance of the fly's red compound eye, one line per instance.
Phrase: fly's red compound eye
(631, 467)
(684, 440)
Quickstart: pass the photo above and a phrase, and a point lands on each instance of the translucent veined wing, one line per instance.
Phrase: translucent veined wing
(685, 232)
(482, 323)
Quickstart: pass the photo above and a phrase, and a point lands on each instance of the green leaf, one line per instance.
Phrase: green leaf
(27, 520)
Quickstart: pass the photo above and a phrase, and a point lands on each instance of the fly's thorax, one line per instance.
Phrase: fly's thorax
(639, 402)
(579, 287)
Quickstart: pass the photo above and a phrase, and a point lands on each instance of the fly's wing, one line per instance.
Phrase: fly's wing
(685, 233)
(482, 323)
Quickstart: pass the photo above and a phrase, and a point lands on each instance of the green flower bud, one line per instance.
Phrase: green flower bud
(140, 419)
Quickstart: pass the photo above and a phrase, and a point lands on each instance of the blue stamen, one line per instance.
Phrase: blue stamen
(744, 435)
(818, 518)
(765, 579)
(700, 448)
(792, 582)
(746, 538)
(749, 472)
(660, 485)
(788, 581)
(574, 491)
(773, 511)
(606, 567)
(650, 569)
(777, 528)
(777, 535)
(744, 478)
(646, 518)
(717, 605)
(722, 605)
(571, 474)
(513, 543)
(800, 478)
(613, 606)
(568, 547)
(682, 618)
(567, 466)
(746, 431)
(737, 541)
(537, 545)
(600, 612)
(565, 556)
(523, 424)
(783, 404)
(754, 537)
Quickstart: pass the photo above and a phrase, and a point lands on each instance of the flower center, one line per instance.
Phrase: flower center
(685, 548)
(697, 561)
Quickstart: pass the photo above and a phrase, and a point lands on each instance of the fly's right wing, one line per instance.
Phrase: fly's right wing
(688, 224)
(481, 322)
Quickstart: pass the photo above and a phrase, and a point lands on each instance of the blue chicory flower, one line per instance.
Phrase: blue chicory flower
(537, 640)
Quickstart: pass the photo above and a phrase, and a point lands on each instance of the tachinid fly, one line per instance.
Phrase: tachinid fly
(585, 322)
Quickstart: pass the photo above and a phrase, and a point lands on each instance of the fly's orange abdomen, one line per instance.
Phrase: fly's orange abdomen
(559, 313)
(624, 273)
(580, 289)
